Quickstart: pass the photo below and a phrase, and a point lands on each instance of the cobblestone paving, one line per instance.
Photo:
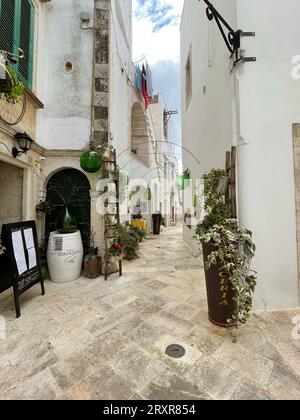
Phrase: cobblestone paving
(95, 340)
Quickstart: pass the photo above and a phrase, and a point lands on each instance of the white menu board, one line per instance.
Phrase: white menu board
(19, 253)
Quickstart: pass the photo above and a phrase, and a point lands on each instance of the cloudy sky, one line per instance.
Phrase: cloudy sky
(156, 37)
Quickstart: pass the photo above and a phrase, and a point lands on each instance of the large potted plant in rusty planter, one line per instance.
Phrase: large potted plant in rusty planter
(227, 252)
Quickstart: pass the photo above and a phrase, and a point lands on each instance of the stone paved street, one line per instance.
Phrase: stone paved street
(97, 340)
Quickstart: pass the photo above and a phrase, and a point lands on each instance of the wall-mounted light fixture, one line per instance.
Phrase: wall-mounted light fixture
(85, 19)
(233, 39)
(24, 142)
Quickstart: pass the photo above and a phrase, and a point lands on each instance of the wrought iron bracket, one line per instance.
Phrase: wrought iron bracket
(233, 38)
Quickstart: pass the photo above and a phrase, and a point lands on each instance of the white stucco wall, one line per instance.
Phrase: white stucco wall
(255, 107)
(123, 96)
(65, 122)
(269, 105)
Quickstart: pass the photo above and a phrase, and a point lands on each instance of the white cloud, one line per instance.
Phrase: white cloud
(156, 44)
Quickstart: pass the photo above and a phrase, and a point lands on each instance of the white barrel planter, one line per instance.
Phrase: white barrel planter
(65, 257)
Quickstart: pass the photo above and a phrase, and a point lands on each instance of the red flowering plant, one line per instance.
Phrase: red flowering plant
(116, 249)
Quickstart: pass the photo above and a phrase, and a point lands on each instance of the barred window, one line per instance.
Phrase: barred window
(17, 31)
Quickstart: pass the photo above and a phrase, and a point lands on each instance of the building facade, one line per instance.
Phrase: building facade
(19, 177)
(255, 107)
(81, 93)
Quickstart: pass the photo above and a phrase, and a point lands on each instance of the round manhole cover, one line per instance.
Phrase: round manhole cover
(175, 351)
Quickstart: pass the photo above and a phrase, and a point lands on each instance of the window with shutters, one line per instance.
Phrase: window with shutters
(17, 31)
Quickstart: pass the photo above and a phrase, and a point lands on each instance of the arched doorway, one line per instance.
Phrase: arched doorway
(70, 188)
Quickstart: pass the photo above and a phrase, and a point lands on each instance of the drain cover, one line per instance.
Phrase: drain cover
(175, 351)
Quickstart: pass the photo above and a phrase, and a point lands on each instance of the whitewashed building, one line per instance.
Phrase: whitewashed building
(254, 106)
(81, 90)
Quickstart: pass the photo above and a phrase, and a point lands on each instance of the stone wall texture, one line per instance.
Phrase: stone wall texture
(11, 193)
(101, 73)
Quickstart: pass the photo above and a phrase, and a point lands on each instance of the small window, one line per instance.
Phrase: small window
(188, 79)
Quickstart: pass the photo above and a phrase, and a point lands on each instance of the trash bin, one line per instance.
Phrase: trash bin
(156, 219)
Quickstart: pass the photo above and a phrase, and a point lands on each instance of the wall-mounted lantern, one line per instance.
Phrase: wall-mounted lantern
(24, 142)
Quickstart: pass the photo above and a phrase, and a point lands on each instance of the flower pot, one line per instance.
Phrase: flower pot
(220, 296)
(66, 223)
(65, 256)
(92, 266)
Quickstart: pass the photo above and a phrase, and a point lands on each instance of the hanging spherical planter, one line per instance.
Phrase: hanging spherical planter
(91, 161)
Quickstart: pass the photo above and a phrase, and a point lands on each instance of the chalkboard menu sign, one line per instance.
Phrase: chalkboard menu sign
(20, 266)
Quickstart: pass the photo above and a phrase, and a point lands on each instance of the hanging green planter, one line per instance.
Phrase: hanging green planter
(90, 162)
(148, 195)
(182, 179)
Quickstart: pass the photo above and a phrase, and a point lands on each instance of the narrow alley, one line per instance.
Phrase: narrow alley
(95, 340)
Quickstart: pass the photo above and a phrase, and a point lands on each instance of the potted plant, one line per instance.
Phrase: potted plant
(228, 252)
(140, 234)
(92, 261)
(130, 241)
(13, 88)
